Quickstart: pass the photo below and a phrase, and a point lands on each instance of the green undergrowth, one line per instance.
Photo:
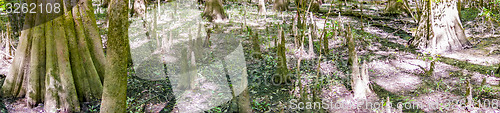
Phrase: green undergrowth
(3, 109)
(263, 94)
(3, 22)
(469, 14)
(141, 92)
(395, 98)
(2, 78)
(468, 66)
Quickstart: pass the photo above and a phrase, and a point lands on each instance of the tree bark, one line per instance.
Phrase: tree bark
(440, 29)
(326, 50)
(55, 62)
(244, 102)
(394, 7)
(309, 5)
(139, 8)
(359, 78)
(8, 36)
(262, 7)
(255, 43)
(281, 5)
(213, 10)
(312, 35)
(115, 83)
(282, 65)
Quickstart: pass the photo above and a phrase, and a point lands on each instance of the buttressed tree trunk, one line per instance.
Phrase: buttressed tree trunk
(440, 29)
(59, 60)
(114, 96)
(214, 10)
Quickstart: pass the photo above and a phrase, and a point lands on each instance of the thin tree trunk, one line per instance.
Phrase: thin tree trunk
(459, 8)
(8, 35)
(362, 20)
(312, 34)
(115, 83)
(359, 78)
(326, 50)
(244, 102)
(469, 95)
(262, 7)
(255, 43)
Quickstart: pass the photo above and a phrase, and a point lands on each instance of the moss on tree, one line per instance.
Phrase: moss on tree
(115, 82)
(54, 63)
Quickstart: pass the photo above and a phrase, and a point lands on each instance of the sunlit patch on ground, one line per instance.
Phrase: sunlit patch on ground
(394, 78)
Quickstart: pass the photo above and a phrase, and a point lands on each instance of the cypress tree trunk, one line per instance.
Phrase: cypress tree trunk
(440, 29)
(262, 7)
(7, 39)
(394, 7)
(459, 8)
(115, 83)
(309, 5)
(359, 78)
(255, 43)
(281, 5)
(326, 44)
(325, 40)
(213, 10)
(59, 58)
(139, 8)
(244, 102)
(282, 65)
(312, 34)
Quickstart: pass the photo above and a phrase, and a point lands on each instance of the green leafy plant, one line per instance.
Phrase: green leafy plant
(2, 5)
(486, 13)
(432, 58)
(93, 108)
(489, 15)
(260, 106)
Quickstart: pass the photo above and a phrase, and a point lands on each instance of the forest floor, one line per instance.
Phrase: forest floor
(396, 70)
